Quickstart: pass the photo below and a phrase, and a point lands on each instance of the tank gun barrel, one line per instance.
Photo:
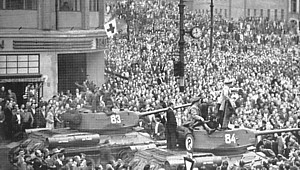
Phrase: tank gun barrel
(265, 132)
(162, 110)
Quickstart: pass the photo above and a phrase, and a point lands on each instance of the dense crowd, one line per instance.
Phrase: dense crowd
(261, 55)
(56, 160)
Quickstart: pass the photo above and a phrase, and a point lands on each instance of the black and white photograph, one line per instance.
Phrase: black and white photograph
(149, 85)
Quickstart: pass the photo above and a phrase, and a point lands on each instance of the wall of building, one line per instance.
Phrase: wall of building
(240, 8)
(95, 67)
(94, 19)
(201, 4)
(273, 5)
(18, 18)
(47, 32)
(69, 20)
(48, 69)
(237, 9)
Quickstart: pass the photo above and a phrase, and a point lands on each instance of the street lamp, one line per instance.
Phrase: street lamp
(211, 27)
(195, 32)
(181, 45)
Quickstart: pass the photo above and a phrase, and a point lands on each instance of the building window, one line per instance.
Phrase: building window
(1, 4)
(69, 5)
(18, 4)
(19, 64)
(216, 11)
(221, 11)
(275, 14)
(282, 14)
(294, 6)
(268, 13)
(262, 12)
(249, 12)
(225, 12)
(94, 5)
(254, 12)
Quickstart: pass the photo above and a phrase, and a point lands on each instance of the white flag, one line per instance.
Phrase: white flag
(111, 28)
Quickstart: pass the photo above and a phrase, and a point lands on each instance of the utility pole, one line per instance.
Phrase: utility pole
(211, 27)
(181, 45)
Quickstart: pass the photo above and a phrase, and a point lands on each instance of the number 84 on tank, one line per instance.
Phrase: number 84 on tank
(224, 142)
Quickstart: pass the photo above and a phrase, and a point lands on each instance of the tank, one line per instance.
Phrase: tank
(101, 136)
(222, 142)
(96, 146)
(208, 150)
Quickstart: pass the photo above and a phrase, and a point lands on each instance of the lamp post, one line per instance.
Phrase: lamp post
(211, 27)
(181, 45)
(195, 32)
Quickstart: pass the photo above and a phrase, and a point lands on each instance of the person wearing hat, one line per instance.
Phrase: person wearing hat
(199, 115)
(171, 126)
(226, 105)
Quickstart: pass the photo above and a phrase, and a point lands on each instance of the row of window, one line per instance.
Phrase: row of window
(63, 5)
(220, 12)
(19, 64)
(262, 13)
(217, 11)
(223, 12)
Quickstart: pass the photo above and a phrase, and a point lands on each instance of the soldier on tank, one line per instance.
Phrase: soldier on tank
(226, 105)
(199, 115)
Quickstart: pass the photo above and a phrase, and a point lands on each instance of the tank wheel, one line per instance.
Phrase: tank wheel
(189, 142)
(125, 154)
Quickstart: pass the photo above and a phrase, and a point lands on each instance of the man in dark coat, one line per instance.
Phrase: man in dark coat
(39, 117)
(8, 120)
(171, 127)
(199, 114)
(16, 122)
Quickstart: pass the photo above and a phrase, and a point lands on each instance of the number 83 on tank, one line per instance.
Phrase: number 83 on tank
(115, 118)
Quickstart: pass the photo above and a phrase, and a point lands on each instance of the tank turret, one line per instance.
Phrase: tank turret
(118, 122)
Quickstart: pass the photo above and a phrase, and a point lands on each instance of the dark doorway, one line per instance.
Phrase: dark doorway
(71, 69)
(19, 89)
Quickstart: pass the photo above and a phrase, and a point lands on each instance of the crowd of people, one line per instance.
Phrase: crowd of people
(260, 54)
(55, 159)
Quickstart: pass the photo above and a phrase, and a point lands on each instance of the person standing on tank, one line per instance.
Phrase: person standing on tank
(171, 126)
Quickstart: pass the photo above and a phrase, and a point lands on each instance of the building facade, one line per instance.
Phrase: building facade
(284, 10)
(51, 44)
